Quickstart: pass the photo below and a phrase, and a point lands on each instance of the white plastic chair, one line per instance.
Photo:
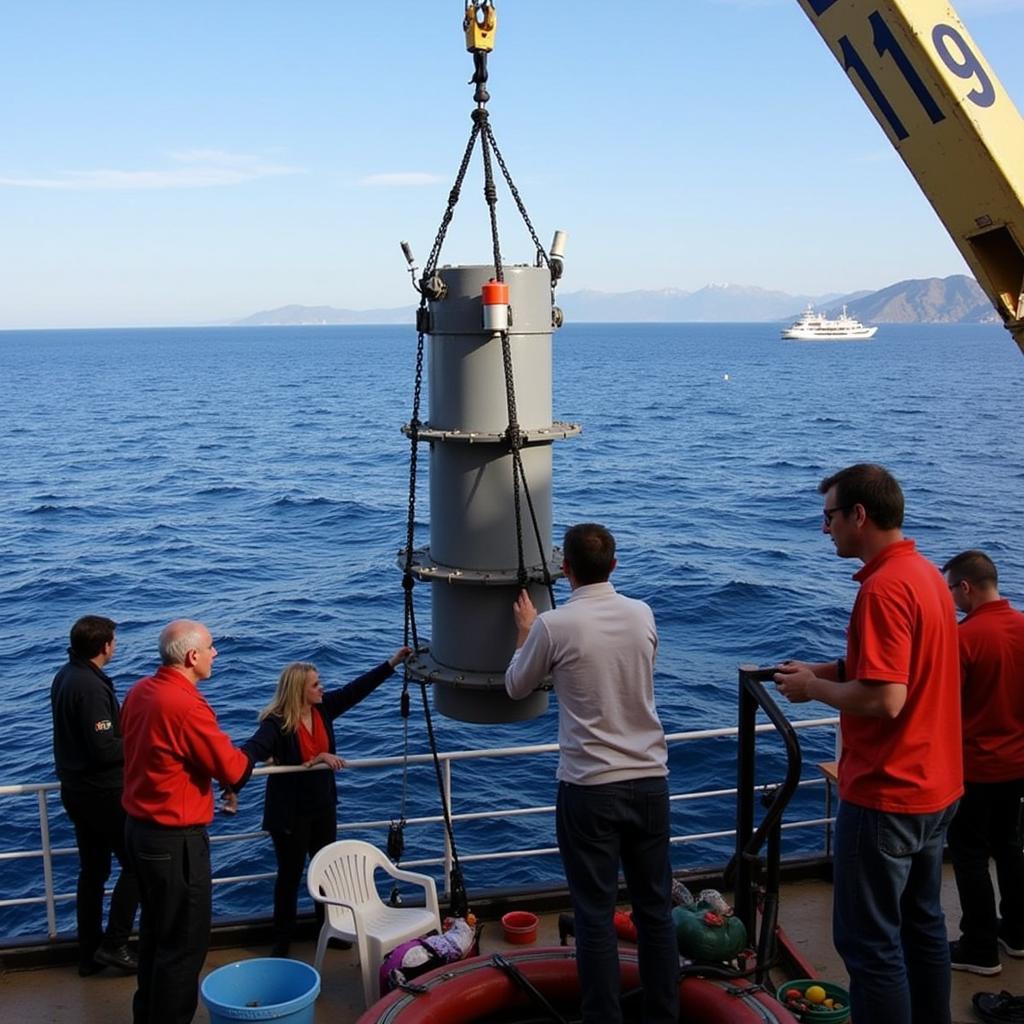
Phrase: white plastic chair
(341, 876)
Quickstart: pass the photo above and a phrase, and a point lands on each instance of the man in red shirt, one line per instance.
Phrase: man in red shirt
(173, 749)
(988, 821)
(898, 691)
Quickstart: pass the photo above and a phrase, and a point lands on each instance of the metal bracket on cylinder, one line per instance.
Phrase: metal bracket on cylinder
(434, 287)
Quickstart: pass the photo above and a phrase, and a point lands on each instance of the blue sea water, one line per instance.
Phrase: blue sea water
(256, 479)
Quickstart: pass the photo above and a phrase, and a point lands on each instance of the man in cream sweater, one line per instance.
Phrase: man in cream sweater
(599, 648)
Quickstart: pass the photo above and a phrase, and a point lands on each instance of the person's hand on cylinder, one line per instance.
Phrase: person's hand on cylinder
(524, 611)
(399, 656)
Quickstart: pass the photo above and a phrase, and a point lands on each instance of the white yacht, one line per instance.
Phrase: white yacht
(817, 327)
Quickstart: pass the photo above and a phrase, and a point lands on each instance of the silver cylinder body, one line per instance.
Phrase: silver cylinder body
(473, 560)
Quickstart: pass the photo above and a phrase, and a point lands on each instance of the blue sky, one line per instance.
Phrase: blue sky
(197, 161)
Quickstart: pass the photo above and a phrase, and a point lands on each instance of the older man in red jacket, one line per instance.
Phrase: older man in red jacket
(173, 750)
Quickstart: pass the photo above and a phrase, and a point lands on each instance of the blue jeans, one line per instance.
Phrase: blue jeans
(599, 826)
(887, 923)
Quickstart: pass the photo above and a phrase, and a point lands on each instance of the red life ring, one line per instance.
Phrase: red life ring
(473, 989)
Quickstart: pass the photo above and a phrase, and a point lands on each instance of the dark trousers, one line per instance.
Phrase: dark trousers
(173, 868)
(598, 827)
(308, 835)
(98, 819)
(988, 826)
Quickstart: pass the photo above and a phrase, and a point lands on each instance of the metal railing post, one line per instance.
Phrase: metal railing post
(447, 840)
(828, 818)
(743, 896)
(44, 830)
(745, 863)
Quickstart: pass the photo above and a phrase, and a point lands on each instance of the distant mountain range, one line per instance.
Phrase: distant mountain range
(946, 300)
(296, 316)
(935, 300)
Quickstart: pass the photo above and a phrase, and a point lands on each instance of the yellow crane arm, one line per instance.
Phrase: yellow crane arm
(942, 107)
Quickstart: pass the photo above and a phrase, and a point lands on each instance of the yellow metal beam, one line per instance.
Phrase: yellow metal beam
(942, 107)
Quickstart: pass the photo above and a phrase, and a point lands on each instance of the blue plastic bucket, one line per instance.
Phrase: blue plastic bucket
(267, 988)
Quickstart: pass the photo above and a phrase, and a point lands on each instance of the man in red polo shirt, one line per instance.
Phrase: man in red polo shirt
(173, 749)
(898, 692)
(988, 821)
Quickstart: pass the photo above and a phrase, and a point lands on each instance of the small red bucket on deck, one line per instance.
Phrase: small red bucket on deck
(520, 927)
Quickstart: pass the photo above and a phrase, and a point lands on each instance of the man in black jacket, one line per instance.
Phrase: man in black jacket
(87, 749)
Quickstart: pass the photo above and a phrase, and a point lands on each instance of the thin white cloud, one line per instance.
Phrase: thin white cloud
(401, 179)
(200, 168)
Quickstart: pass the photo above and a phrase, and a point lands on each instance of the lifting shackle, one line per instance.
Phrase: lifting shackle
(480, 23)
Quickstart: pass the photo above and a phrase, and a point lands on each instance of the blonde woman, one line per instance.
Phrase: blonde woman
(300, 810)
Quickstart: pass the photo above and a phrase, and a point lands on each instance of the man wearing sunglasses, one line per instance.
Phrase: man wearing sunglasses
(988, 821)
(900, 772)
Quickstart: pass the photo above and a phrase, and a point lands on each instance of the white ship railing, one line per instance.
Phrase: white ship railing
(47, 852)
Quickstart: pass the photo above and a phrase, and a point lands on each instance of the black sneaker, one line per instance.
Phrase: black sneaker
(119, 957)
(962, 959)
(999, 1008)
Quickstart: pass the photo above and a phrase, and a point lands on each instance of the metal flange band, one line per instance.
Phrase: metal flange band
(558, 431)
(424, 667)
(425, 569)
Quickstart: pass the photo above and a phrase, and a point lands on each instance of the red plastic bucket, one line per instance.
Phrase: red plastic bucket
(520, 927)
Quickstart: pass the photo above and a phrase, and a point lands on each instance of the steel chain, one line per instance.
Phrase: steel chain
(515, 440)
(515, 195)
(513, 434)
(490, 192)
(453, 198)
(410, 526)
(459, 900)
(546, 571)
(481, 129)
(459, 903)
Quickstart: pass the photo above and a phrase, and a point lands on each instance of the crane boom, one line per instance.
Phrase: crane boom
(959, 133)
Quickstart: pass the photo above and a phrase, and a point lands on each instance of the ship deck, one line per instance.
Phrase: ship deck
(56, 995)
